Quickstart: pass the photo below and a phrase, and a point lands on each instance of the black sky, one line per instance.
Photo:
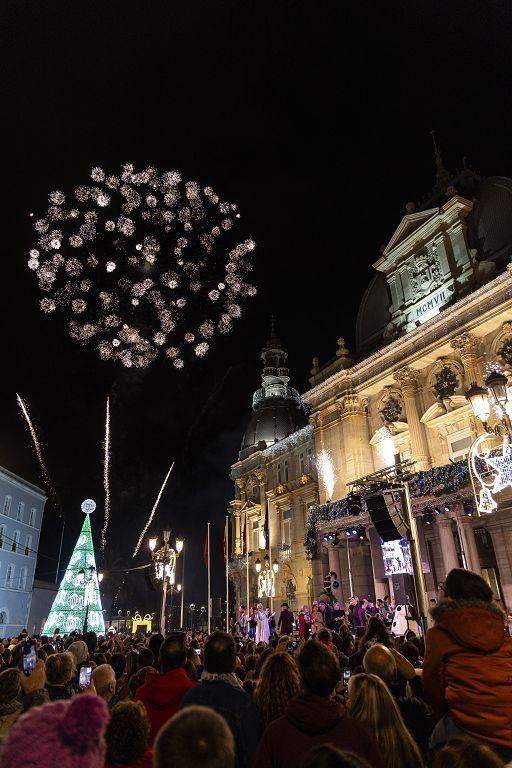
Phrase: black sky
(314, 117)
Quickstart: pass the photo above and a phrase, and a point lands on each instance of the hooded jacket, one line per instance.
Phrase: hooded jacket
(161, 694)
(310, 720)
(467, 668)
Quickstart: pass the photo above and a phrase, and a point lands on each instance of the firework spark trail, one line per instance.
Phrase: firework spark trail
(106, 479)
(37, 445)
(153, 510)
(326, 472)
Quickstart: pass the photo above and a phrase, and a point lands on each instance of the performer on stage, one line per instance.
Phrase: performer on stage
(262, 628)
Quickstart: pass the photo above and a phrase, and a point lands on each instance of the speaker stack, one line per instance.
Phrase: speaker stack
(386, 513)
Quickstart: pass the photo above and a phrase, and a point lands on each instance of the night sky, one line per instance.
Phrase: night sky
(315, 117)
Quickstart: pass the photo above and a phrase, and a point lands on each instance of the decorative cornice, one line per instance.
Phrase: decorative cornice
(261, 458)
(465, 343)
(407, 377)
(352, 405)
(466, 311)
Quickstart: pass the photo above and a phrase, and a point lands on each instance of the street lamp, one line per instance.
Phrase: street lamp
(479, 400)
(164, 560)
(88, 584)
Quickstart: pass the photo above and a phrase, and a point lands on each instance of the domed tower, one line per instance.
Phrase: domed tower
(278, 408)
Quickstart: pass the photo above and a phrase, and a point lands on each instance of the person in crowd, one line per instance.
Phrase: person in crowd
(467, 670)
(10, 704)
(466, 753)
(242, 621)
(338, 617)
(327, 612)
(370, 702)
(146, 657)
(64, 734)
(154, 645)
(375, 632)
(105, 682)
(221, 690)
(304, 623)
(195, 737)
(325, 636)
(127, 736)
(314, 717)
(396, 671)
(383, 610)
(60, 672)
(277, 684)
(285, 623)
(271, 616)
(91, 641)
(262, 628)
(252, 623)
(80, 652)
(327, 756)
(317, 618)
(138, 679)
(162, 693)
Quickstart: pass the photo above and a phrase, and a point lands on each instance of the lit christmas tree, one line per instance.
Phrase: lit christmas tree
(78, 593)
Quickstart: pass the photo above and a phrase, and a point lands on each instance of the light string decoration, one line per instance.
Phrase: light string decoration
(106, 478)
(152, 514)
(142, 263)
(493, 470)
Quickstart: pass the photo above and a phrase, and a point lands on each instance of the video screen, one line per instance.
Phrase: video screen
(396, 556)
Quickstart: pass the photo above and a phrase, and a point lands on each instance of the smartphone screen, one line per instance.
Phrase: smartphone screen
(85, 677)
(198, 651)
(29, 656)
(346, 674)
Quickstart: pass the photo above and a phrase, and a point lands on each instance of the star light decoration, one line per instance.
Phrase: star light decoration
(143, 264)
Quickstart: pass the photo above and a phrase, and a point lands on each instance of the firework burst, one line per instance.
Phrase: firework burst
(106, 478)
(37, 445)
(326, 472)
(155, 505)
(142, 264)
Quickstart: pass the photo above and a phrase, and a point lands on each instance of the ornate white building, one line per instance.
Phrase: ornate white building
(435, 318)
(21, 516)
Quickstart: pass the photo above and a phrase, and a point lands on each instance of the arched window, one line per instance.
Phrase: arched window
(28, 544)
(22, 581)
(279, 478)
(3, 617)
(286, 471)
(287, 527)
(21, 509)
(9, 575)
(7, 505)
(3, 529)
(15, 541)
(32, 518)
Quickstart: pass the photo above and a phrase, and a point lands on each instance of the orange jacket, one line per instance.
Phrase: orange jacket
(468, 669)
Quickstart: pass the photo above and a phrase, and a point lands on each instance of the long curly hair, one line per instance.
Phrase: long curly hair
(277, 683)
(127, 734)
(375, 632)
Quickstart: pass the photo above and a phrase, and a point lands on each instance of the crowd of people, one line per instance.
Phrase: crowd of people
(332, 693)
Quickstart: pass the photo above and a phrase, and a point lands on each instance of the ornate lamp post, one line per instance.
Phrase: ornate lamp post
(88, 585)
(164, 560)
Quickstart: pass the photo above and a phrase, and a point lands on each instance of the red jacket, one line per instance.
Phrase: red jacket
(311, 720)
(467, 669)
(161, 695)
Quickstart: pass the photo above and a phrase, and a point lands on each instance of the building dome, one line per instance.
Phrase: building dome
(278, 408)
(373, 315)
(490, 221)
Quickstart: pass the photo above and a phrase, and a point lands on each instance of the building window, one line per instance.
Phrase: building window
(279, 477)
(22, 581)
(28, 545)
(9, 576)
(15, 541)
(32, 518)
(302, 464)
(3, 529)
(310, 460)
(255, 536)
(459, 444)
(3, 617)
(21, 509)
(7, 505)
(286, 471)
(255, 489)
(287, 527)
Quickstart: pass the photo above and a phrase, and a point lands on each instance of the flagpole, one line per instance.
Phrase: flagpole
(227, 575)
(182, 587)
(209, 598)
(247, 558)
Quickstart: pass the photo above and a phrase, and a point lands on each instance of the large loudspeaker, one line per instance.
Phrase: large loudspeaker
(385, 509)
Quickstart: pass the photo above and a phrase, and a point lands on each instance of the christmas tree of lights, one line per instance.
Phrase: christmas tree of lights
(76, 592)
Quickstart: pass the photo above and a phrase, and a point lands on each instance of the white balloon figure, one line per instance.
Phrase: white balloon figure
(266, 583)
(403, 621)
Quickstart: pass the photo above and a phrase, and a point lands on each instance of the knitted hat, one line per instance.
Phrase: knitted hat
(79, 650)
(67, 734)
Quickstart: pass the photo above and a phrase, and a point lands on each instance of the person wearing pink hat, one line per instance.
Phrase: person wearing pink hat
(67, 734)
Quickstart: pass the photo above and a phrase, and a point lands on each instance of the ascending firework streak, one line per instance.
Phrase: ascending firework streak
(106, 483)
(153, 510)
(326, 472)
(37, 446)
